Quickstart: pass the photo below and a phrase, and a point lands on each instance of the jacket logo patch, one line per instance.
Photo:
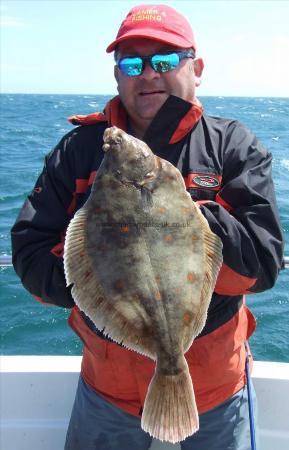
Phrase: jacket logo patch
(206, 181)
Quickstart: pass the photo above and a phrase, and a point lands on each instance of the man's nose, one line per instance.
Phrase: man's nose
(149, 73)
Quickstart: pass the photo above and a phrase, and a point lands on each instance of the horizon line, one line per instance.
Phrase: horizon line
(113, 95)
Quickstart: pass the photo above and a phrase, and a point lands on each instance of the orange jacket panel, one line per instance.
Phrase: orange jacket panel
(216, 362)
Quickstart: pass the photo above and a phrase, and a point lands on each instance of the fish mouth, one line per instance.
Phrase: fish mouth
(112, 137)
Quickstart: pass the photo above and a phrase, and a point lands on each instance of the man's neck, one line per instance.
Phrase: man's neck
(137, 130)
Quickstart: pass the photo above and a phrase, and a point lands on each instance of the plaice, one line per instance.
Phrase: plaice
(143, 263)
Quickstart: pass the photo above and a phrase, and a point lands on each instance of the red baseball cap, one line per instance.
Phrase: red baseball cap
(157, 22)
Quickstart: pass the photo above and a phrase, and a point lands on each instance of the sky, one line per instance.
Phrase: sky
(58, 46)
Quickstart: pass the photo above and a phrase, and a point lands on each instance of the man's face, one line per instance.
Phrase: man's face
(143, 95)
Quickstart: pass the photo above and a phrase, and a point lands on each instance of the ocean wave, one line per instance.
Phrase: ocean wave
(93, 105)
(285, 163)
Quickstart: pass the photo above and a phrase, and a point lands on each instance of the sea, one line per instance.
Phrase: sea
(30, 126)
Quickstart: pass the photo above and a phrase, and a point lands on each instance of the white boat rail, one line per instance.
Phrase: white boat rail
(6, 261)
(37, 394)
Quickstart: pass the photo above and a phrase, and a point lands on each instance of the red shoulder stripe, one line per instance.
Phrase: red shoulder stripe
(81, 187)
(223, 203)
(187, 123)
(39, 299)
(58, 250)
(83, 183)
(88, 119)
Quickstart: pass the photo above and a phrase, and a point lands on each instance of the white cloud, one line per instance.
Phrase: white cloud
(252, 66)
(239, 38)
(10, 21)
(265, 66)
(18, 68)
(3, 7)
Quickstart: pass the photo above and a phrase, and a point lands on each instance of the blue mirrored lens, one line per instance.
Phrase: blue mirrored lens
(164, 63)
(131, 66)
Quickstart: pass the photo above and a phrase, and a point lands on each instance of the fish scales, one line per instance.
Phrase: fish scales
(143, 263)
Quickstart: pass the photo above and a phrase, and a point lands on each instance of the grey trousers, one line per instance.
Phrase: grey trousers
(97, 424)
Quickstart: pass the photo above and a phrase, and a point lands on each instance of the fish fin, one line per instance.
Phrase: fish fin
(170, 412)
(74, 246)
(107, 315)
(146, 199)
(86, 291)
(214, 255)
(213, 262)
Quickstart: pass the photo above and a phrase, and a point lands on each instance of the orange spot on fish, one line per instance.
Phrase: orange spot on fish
(98, 210)
(124, 229)
(168, 237)
(187, 317)
(194, 237)
(161, 210)
(191, 277)
(87, 275)
(158, 296)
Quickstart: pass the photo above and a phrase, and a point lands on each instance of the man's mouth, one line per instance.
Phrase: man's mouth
(155, 92)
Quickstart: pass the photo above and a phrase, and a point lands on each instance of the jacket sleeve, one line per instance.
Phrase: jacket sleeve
(245, 217)
(38, 233)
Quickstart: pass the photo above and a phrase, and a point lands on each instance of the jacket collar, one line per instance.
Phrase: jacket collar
(114, 113)
(172, 123)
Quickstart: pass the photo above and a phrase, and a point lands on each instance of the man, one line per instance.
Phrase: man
(227, 172)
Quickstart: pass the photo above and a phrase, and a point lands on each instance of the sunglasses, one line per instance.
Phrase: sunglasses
(133, 66)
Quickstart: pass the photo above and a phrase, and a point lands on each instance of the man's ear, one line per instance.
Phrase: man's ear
(198, 69)
(116, 74)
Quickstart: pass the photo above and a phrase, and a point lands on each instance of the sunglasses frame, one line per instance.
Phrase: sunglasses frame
(182, 54)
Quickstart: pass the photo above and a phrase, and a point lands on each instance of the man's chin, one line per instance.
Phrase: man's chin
(148, 109)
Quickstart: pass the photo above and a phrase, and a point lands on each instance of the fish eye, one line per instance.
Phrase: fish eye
(149, 175)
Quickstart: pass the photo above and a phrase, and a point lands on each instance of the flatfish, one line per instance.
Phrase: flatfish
(143, 262)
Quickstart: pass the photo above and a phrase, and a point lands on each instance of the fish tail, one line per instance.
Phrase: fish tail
(170, 412)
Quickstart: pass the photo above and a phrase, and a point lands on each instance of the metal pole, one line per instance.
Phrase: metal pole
(286, 262)
(250, 401)
(6, 261)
